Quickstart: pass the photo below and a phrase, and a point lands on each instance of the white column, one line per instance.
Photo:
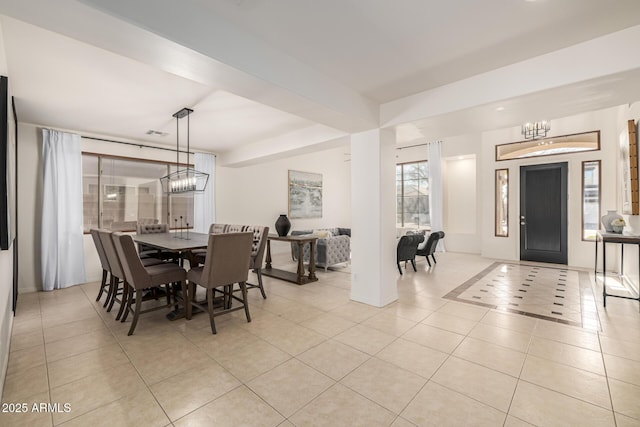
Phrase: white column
(373, 223)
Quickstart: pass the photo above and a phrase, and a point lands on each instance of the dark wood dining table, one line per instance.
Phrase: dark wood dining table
(182, 243)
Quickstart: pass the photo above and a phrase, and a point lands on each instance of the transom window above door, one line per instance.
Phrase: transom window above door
(576, 143)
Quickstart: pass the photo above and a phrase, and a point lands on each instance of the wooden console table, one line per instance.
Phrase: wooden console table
(621, 239)
(299, 276)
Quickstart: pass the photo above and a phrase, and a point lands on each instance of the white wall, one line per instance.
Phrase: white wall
(258, 194)
(6, 259)
(581, 253)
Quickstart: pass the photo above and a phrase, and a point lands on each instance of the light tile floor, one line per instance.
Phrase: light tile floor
(312, 357)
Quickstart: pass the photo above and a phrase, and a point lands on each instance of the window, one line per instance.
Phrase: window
(120, 192)
(412, 195)
(565, 144)
(502, 203)
(590, 199)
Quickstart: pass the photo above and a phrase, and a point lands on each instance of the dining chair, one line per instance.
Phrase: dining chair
(258, 245)
(138, 278)
(226, 263)
(150, 252)
(104, 263)
(115, 269)
(117, 275)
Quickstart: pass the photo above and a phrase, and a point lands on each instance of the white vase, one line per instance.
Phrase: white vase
(608, 218)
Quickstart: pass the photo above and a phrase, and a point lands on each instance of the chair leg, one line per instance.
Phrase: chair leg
(259, 273)
(113, 291)
(134, 322)
(434, 259)
(413, 263)
(125, 299)
(109, 292)
(186, 300)
(210, 306)
(428, 262)
(129, 302)
(191, 296)
(243, 287)
(399, 269)
(103, 283)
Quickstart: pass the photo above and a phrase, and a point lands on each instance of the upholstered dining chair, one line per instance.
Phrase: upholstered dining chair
(258, 246)
(226, 263)
(104, 285)
(149, 252)
(116, 272)
(117, 275)
(138, 278)
(430, 248)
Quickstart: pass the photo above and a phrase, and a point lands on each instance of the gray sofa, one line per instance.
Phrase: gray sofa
(331, 250)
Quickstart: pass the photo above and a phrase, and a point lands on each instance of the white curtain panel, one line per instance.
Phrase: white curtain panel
(204, 204)
(62, 236)
(435, 189)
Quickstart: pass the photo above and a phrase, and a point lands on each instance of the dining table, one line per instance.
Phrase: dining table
(181, 242)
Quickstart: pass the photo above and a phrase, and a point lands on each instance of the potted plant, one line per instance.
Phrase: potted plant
(618, 225)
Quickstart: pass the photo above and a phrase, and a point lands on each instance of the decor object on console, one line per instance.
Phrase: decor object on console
(305, 195)
(333, 246)
(535, 130)
(608, 219)
(187, 179)
(618, 225)
(283, 225)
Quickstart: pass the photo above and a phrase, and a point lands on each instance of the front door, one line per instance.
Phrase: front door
(543, 213)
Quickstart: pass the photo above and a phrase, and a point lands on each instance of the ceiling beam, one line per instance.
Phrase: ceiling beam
(601, 58)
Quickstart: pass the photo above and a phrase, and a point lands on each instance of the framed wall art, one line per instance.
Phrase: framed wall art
(305, 195)
(629, 170)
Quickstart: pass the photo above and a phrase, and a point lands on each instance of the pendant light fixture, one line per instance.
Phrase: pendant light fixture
(186, 180)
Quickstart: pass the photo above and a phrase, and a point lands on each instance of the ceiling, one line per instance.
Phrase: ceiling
(79, 75)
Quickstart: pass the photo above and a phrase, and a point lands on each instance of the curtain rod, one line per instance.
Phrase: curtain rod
(416, 145)
(136, 144)
(411, 146)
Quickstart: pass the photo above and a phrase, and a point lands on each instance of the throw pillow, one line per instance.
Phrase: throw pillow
(322, 234)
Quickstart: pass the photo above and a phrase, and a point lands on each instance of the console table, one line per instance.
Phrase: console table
(621, 239)
(299, 276)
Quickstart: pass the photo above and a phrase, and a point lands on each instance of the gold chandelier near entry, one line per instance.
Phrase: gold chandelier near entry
(535, 130)
(187, 179)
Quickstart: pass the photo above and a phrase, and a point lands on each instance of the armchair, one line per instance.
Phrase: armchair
(407, 248)
(430, 247)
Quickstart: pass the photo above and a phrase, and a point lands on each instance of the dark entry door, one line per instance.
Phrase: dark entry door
(543, 213)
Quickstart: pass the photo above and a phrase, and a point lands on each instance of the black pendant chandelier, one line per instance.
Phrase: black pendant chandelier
(186, 180)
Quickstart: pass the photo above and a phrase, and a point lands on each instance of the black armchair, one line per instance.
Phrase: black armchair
(407, 247)
(430, 247)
